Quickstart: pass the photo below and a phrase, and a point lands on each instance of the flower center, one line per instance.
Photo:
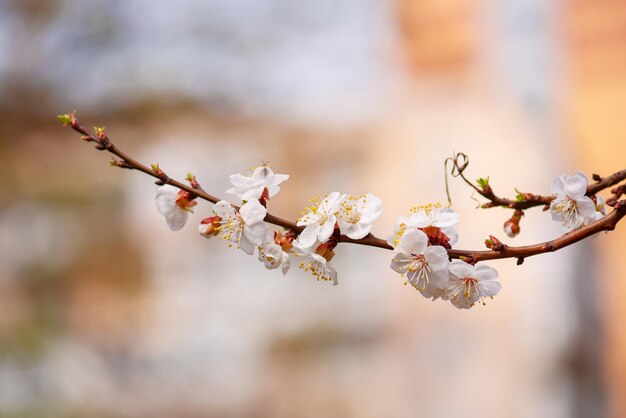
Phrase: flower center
(570, 208)
(468, 288)
(419, 265)
(232, 227)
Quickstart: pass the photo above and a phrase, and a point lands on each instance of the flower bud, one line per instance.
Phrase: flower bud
(511, 226)
(210, 226)
(185, 200)
(285, 241)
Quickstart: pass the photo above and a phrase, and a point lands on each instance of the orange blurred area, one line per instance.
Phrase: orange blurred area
(105, 312)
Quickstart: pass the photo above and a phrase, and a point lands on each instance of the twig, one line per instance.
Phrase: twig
(460, 162)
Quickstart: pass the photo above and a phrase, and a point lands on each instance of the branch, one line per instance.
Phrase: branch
(607, 223)
(523, 201)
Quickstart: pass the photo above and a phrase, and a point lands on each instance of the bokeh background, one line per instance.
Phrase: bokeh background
(106, 313)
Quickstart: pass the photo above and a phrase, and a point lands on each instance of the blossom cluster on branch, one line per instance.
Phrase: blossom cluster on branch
(422, 243)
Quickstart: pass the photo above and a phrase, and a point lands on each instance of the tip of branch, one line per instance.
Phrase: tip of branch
(68, 119)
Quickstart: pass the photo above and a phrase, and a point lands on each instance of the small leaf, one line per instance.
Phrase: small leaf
(483, 182)
(65, 119)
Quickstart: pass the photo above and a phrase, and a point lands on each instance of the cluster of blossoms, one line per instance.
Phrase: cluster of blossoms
(244, 227)
(420, 241)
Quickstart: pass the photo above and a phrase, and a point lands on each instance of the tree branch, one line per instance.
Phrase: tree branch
(460, 162)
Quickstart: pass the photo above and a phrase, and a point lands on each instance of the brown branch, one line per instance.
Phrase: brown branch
(607, 223)
(526, 200)
(605, 182)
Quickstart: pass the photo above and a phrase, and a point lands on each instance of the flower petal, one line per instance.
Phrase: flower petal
(223, 209)
(485, 273)
(286, 263)
(355, 231)
(329, 203)
(262, 174)
(413, 242)
(176, 219)
(491, 287)
(586, 207)
(576, 185)
(166, 198)
(445, 217)
(239, 180)
(246, 246)
(460, 269)
(558, 185)
(437, 258)
(308, 236)
(253, 212)
(326, 229)
(399, 262)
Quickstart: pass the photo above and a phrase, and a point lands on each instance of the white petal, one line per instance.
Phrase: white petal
(309, 219)
(333, 274)
(399, 262)
(439, 280)
(484, 272)
(308, 236)
(253, 192)
(437, 258)
(262, 174)
(272, 190)
(445, 218)
(558, 185)
(355, 231)
(286, 263)
(326, 229)
(239, 180)
(176, 219)
(576, 185)
(330, 203)
(413, 242)
(491, 287)
(253, 212)
(279, 178)
(166, 199)
(223, 209)
(255, 233)
(586, 207)
(237, 191)
(452, 234)
(246, 246)
(460, 269)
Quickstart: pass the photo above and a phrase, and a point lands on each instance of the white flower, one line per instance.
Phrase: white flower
(273, 256)
(174, 204)
(244, 228)
(435, 220)
(251, 187)
(357, 214)
(318, 266)
(320, 219)
(426, 268)
(571, 207)
(469, 284)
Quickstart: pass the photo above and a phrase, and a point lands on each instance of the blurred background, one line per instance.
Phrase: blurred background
(104, 312)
